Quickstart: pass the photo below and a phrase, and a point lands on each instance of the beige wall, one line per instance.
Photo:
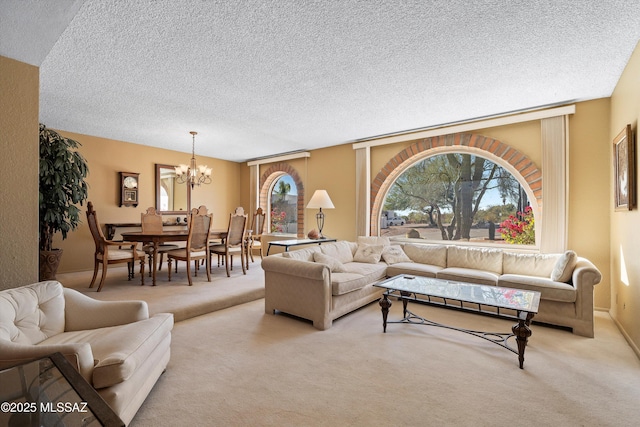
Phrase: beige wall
(589, 207)
(19, 85)
(625, 226)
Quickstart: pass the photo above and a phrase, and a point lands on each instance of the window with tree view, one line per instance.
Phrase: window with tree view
(284, 206)
(458, 196)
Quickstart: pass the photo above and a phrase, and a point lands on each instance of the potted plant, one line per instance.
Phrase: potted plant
(62, 185)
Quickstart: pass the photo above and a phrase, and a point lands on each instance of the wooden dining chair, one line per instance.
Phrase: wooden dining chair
(254, 239)
(197, 244)
(235, 241)
(110, 252)
(151, 222)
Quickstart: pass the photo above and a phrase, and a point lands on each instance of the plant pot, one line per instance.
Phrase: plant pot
(49, 262)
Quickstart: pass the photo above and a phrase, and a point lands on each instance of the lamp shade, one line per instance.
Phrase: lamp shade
(320, 200)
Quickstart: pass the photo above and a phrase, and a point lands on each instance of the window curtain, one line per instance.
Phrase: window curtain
(363, 196)
(553, 236)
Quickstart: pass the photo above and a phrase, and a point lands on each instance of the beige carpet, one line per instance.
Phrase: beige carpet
(240, 367)
(177, 296)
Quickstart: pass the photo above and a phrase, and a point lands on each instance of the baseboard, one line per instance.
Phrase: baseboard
(626, 336)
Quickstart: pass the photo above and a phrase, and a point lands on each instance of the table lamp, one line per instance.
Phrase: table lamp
(320, 199)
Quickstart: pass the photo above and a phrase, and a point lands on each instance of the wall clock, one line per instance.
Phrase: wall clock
(129, 189)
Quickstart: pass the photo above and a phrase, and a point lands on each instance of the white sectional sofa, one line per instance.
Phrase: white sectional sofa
(114, 345)
(322, 283)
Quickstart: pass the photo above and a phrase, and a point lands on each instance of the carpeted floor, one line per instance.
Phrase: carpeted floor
(177, 296)
(239, 366)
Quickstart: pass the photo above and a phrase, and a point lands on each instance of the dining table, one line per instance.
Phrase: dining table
(156, 238)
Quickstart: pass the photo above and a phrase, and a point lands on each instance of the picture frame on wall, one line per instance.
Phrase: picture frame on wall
(624, 170)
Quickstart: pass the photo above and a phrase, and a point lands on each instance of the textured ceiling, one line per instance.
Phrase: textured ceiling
(257, 77)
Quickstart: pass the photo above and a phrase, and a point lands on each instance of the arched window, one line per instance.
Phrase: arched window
(458, 196)
(283, 204)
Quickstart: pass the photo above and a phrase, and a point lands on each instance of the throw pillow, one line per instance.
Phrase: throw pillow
(427, 254)
(368, 253)
(563, 270)
(334, 265)
(394, 254)
(340, 250)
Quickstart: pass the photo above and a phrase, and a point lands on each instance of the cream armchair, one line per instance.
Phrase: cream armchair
(115, 345)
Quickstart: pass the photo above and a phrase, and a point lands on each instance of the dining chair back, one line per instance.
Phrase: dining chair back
(111, 252)
(151, 222)
(254, 239)
(235, 241)
(197, 243)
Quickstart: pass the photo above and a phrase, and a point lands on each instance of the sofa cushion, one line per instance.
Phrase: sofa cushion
(358, 276)
(469, 275)
(119, 351)
(549, 289)
(305, 254)
(118, 254)
(368, 253)
(33, 313)
(374, 240)
(340, 250)
(528, 264)
(414, 268)
(375, 271)
(394, 254)
(334, 265)
(427, 254)
(475, 258)
(563, 270)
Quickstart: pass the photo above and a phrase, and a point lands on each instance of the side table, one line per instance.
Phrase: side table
(286, 244)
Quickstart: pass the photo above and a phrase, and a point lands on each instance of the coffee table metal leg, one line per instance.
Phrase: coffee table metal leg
(522, 333)
(384, 306)
(404, 303)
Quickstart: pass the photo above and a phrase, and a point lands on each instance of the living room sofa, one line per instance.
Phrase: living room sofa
(114, 345)
(324, 282)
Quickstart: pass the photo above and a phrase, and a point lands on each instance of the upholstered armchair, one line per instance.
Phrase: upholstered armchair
(114, 345)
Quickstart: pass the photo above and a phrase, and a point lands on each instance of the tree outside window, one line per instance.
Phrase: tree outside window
(284, 206)
(459, 196)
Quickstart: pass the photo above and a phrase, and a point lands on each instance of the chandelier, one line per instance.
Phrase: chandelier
(192, 174)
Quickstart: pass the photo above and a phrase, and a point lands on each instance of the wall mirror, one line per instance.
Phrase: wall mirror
(171, 198)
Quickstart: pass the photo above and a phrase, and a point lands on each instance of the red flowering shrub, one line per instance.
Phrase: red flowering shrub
(519, 228)
(278, 220)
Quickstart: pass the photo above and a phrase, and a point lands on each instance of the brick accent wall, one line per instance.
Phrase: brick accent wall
(267, 180)
(516, 162)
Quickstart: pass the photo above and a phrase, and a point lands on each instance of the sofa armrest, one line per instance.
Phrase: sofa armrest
(78, 354)
(83, 312)
(585, 277)
(585, 273)
(297, 287)
(295, 267)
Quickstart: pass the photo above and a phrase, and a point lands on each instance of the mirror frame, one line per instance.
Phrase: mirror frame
(186, 212)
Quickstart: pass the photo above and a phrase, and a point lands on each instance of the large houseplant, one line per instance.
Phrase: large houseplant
(62, 186)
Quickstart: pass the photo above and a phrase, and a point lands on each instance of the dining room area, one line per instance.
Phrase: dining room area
(139, 183)
(180, 257)
(158, 236)
(191, 240)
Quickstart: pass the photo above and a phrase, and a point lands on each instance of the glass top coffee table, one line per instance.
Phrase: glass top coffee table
(495, 301)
